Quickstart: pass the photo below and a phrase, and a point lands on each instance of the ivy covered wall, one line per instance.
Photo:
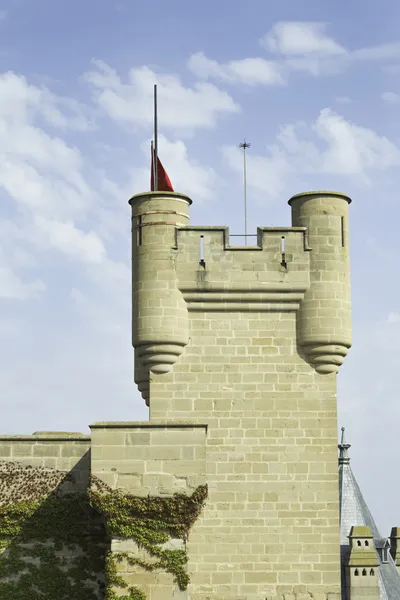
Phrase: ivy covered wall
(68, 535)
(53, 543)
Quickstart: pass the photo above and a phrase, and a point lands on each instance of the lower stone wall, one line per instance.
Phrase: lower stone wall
(68, 452)
(160, 471)
(53, 545)
(52, 530)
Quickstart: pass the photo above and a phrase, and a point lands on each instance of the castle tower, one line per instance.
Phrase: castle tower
(242, 345)
(324, 322)
(362, 570)
(159, 315)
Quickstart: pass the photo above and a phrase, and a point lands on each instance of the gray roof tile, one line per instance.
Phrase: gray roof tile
(354, 511)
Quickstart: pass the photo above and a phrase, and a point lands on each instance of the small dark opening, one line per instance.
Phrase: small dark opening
(364, 572)
(283, 261)
(372, 572)
(366, 542)
(356, 573)
(358, 543)
(139, 231)
(342, 230)
(202, 261)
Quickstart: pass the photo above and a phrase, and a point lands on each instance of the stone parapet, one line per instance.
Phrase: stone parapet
(150, 459)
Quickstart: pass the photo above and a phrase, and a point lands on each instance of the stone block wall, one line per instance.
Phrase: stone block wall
(263, 332)
(66, 452)
(52, 544)
(156, 459)
(270, 525)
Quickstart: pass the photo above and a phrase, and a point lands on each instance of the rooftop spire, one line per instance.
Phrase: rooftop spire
(343, 447)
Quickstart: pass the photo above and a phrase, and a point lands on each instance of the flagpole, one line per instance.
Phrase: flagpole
(155, 141)
(152, 164)
(245, 145)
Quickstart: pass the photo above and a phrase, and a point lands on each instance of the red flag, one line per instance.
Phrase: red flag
(164, 182)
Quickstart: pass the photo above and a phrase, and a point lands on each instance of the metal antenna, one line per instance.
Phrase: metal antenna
(245, 145)
(344, 447)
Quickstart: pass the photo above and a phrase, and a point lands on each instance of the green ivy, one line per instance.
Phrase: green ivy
(151, 521)
(53, 544)
(115, 580)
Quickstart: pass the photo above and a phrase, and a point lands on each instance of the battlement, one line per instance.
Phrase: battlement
(224, 236)
(213, 275)
(178, 269)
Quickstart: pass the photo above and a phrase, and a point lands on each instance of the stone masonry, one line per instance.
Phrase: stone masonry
(236, 354)
(248, 341)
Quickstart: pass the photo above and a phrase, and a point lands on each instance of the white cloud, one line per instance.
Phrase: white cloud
(248, 71)
(60, 212)
(293, 46)
(392, 69)
(39, 171)
(352, 149)
(55, 213)
(343, 100)
(390, 98)
(306, 46)
(19, 101)
(180, 107)
(393, 317)
(12, 288)
(330, 145)
(380, 52)
(67, 238)
(44, 188)
(295, 38)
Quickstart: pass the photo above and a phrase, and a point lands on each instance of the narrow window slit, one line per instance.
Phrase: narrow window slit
(342, 230)
(364, 572)
(202, 261)
(139, 231)
(283, 261)
(372, 572)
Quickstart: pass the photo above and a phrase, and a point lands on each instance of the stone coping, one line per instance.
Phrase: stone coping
(157, 195)
(321, 193)
(149, 424)
(226, 228)
(47, 436)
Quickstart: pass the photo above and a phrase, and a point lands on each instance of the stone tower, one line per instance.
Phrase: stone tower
(236, 354)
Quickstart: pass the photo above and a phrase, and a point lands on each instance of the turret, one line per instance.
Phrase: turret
(362, 568)
(159, 314)
(324, 318)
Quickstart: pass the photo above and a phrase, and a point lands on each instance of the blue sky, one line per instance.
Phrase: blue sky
(315, 90)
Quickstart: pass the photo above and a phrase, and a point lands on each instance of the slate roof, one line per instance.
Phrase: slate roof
(354, 511)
